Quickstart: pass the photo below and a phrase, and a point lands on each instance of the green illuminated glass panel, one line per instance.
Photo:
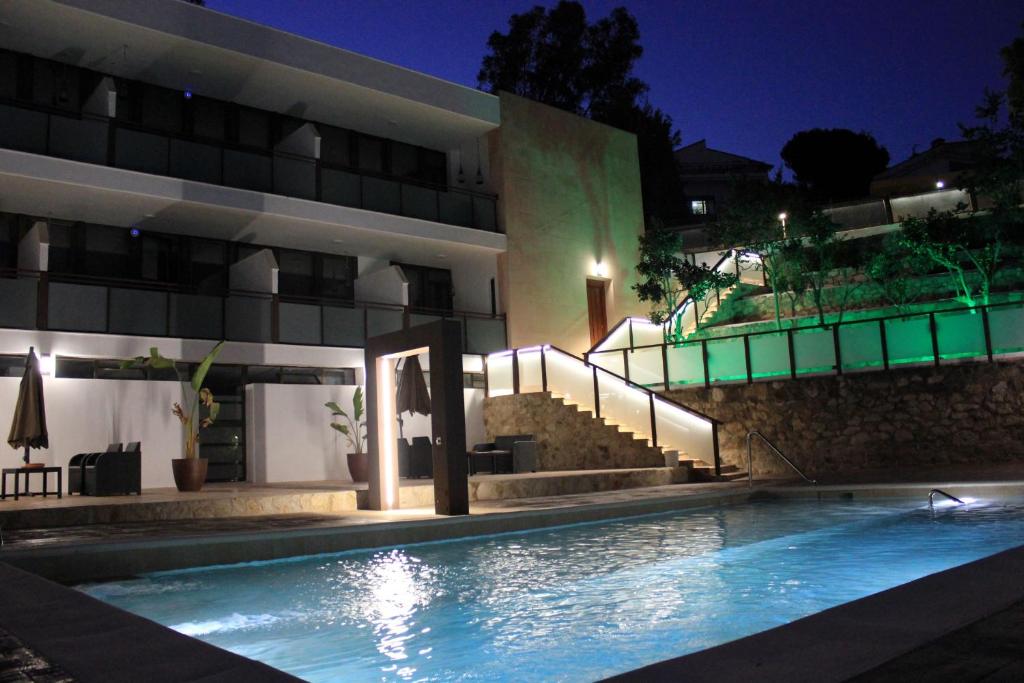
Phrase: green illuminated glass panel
(685, 364)
(814, 350)
(769, 355)
(645, 366)
(909, 340)
(1006, 325)
(961, 334)
(727, 360)
(860, 345)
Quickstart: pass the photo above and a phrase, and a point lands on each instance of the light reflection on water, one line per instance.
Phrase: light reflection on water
(575, 603)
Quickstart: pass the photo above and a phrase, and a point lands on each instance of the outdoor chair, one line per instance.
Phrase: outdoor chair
(116, 473)
(506, 454)
(77, 465)
(421, 458)
(403, 458)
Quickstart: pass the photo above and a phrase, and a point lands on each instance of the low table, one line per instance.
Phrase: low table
(17, 471)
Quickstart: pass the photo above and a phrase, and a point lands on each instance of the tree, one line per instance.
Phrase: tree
(668, 280)
(834, 164)
(895, 270)
(555, 56)
(823, 252)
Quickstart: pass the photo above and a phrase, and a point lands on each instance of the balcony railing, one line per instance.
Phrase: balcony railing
(109, 142)
(32, 300)
(934, 337)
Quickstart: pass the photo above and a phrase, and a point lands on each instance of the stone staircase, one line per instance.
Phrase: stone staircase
(571, 438)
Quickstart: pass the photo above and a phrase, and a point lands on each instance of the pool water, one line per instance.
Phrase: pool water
(567, 604)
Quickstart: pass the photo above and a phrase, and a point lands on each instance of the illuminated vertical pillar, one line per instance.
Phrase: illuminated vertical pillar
(386, 462)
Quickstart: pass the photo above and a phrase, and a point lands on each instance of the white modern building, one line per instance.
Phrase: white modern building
(171, 176)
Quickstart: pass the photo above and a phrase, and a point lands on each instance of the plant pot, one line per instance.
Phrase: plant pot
(189, 473)
(359, 467)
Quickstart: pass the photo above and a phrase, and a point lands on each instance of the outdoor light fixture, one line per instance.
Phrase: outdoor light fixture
(939, 184)
(134, 232)
(188, 94)
(601, 269)
(782, 219)
(47, 364)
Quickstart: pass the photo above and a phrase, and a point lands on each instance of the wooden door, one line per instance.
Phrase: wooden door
(597, 310)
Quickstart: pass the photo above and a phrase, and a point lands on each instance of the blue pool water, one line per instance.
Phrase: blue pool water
(567, 604)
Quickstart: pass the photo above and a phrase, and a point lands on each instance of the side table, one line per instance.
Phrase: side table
(18, 471)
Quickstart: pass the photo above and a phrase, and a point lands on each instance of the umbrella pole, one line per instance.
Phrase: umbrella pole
(26, 455)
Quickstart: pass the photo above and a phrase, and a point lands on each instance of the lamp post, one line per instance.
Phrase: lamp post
(782, 219)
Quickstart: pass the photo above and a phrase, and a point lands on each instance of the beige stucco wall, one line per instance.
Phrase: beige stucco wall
(569, 197)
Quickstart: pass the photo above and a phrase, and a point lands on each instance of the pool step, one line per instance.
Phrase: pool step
(705, 472)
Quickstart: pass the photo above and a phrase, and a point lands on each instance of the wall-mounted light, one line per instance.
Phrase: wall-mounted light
(134, 232)
(188, 94)
(939, 184)
(600, 269)
(47, 364)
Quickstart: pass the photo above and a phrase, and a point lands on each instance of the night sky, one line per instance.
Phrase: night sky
(744, 74)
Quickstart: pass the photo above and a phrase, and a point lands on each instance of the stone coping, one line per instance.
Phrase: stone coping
(856, 637)
(93, 641)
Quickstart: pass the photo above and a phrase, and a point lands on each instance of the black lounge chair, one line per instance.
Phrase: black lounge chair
(421, 458)
(505, 455)
(116, 473)
(76, 469)
(403, 458)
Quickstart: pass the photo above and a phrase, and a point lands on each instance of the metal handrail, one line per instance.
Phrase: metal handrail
(931, 497)
(750, 469)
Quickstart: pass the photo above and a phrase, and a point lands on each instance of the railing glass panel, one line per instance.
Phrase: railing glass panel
(299, 323)
(685, 364)
(570, 379)
(77, 308)
(382, 195)
(294, 177)
(137, 311)
(484, 216)
(79, 139)
(624, 405)
(618, 338)
(610, 361)
(247, 171)
(814, 350)
(860, 345)
(530, 376)
(909, 340)
(248, 318)
(485, 335)
(1006, 324)
(499, 374)
(143, 152)
(645, 333)
(646, 367)
(961, 334)
(769, 355)
(456, 208)
(343, 326)
(382, 321)
(197, 316)
(18, 302)
(681, 431)
(727, 360)
(339, 187)
(419, 202)
(23, 130)
(195, 161)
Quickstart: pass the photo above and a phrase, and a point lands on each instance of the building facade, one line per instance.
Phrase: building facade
(171, 176)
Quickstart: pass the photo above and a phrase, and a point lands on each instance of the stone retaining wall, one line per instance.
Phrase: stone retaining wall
(568, 438)
(908, 418)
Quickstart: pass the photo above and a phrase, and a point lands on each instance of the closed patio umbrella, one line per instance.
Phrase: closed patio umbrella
(412, 389)
(28, 429)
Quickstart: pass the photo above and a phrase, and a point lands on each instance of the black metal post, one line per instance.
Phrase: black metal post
(543, 370)
(625, 363)
(487, 380)
(988, 333)
(704, 358)
(718, 454)
(664, 365)
(654, 423)
(935, 337)
(746, 358)
(597, 394)
(885, 345)
(515, 371)
(792, 354)
(838, 350)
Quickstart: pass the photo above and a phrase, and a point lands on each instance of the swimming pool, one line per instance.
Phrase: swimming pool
(571, 603)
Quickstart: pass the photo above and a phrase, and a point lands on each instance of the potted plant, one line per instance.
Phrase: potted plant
(358, 460)
(189, 471)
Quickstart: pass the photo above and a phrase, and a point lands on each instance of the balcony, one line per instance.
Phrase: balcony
(108, 142)
(31, 300)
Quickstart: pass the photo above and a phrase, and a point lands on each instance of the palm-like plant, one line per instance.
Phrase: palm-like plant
(353, 430)
(198, 396)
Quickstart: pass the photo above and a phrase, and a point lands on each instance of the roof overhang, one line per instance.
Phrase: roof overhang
(182, 46)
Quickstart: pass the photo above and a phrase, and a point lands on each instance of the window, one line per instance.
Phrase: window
(107, 252)
(161, 109)
(207, 118)
(337, 277)
(429, 288)
(295, 273)
(371, 154)
(159, 257)
(335, 147)
(208, 264)
(701, 207)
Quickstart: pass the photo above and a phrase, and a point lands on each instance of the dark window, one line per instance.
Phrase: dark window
(208, 266)
(433, 167)
(129, 100)
(371, 154)
(8, 75)
(9, 238)
(295, 273)
(63, 255)
(429, 287)
(404, 160)
(159, 258)
(253, 128)
(161, 109)
(335, 146)
(337, 277)
(107, 251)
(207, 118)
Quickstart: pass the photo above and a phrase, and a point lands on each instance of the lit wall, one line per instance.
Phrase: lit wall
(569, 199)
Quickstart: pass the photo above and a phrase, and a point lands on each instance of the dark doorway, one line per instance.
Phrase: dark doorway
(597, 310)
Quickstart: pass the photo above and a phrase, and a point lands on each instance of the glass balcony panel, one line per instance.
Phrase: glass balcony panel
(79, 139)
(860, 345)
(340, 187)
(142, 152)
(645, 367)
(484, 216)
(247, 171)
(1006, 325)
(77, 308)
(814, 350)
(195, 161)
(645, 333)
(530, 378)
(681, 431)
(18, 302)
(419, 202)
(295, 177)
(961, 334)
(570, 380)
(456, 209)
(343, 326)
(769, 355)
(382, 321)
(299, 323)
(499, 375)
(422, 319)
(685, 365)
(618, 338)
(727, 360)
(624, 406)
(248, 318)
(138, 311)
(194, 316)
(909, 340)
(485, 335)
(382, 195)
(22, 129)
